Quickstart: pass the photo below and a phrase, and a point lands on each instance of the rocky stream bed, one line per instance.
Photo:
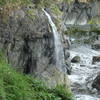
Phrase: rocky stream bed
(84, 72)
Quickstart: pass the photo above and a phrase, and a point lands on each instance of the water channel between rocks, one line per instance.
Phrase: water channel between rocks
(83, 73)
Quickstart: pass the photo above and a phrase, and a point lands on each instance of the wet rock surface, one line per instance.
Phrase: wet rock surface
(95, 59)
(79, 13)
(76, 59)
(96, 45)
(96, 82)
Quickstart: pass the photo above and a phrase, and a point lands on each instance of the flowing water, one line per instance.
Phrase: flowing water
(59, 54)
(83, 73)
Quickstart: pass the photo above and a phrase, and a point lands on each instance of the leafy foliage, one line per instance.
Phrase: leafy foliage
(16, 86)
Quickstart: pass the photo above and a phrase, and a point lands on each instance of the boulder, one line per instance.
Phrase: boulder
(96, 82)
(28, 43)
(95, 59)
(96, 45)
(76, 59)
(52, 76)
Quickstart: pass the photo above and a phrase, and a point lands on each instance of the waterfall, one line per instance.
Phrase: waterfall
(59, 53)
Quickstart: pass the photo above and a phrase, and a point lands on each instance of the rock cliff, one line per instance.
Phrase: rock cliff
(28, 42)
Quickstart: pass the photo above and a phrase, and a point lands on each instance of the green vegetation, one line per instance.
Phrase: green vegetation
(31, 12)
(79, 32)
(25, 2)
(47, 3)
(7, 6)
(4, 2)
(44, 3)
(16, 86)
(94, 21)
(55, 10)
(67, 1)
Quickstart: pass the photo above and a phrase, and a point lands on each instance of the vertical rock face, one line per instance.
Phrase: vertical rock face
(81, 12)
(29, 45)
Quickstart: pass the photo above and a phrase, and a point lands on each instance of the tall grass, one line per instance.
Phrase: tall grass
(16, 86)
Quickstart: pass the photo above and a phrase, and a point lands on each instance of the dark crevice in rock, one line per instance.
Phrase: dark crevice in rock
(27, 51)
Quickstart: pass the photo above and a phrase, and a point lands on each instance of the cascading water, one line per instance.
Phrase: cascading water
(59, 54)
(83, 73)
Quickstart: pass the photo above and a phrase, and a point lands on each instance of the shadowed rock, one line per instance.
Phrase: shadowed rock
(96, 83)
(96, 45)
(95, 59)
(76, 59)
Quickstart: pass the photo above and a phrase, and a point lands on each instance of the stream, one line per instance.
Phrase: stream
(83, 73)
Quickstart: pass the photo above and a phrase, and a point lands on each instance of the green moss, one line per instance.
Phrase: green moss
(4, 2)
(48, 3)
(67, 1)
(55, 10)
(94, 21)
(43, 3)
(77, 32)
(16, 86)
(57, 13)
(8, 6)
(31, 13)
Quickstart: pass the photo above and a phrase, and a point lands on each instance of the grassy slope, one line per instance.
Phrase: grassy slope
(16, 86)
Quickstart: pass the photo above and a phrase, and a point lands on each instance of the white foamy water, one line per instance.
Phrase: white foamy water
(86, 97)
(85, 53)
(83, 73)
(59, 54)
